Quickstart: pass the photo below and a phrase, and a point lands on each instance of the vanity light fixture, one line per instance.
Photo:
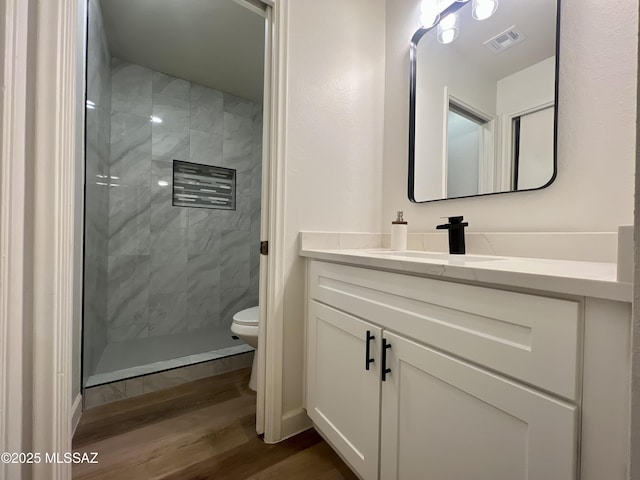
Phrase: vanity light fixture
(429, 13)
(448, 28)
(483, 9)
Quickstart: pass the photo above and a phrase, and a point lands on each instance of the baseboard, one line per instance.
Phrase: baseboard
(294, 422)
(76, 413)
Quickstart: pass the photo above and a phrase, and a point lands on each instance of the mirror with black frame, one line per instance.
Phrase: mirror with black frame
(483, 98)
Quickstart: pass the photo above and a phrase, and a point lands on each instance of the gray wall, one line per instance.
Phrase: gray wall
(175, 269)
(98, 126)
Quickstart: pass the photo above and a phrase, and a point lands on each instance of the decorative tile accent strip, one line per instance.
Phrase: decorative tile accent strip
(203, 186)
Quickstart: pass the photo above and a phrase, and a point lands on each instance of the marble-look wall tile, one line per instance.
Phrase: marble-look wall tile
(129, 220)
(98, 59)
(171, 86)
(233, 300)
(111, 392)
(168, 241)
(254, 264)
(128, 297)
(177, 376)
(238, 142)
(256, 202)
(168, 273)
(167, 313)
(234, 262)
(206, 109)
(170, 132)
(205, 148)
(203, 237)
(256, 161)
(240, 219)
(100, 395)
(97, 179)
(238, 106)
(130, 149)
(202, 265)
(164, 215)
(203, 292)
(131, 88)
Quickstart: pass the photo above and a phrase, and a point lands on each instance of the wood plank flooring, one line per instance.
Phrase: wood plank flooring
(196, 431)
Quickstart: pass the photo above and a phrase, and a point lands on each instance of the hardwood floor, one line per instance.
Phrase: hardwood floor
(196, 431)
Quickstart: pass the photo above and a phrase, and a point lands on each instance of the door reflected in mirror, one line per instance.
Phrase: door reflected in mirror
(483, 116)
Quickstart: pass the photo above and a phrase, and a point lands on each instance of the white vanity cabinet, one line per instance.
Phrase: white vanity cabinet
(443, 418)
(345, 403)
(480, 382)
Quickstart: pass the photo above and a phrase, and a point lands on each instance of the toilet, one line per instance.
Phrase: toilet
(246, 325)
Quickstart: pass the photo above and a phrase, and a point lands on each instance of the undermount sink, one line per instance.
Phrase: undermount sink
(444, 257)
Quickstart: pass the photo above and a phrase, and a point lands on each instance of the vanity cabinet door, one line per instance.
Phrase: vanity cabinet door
(443, 418)
(343, 397)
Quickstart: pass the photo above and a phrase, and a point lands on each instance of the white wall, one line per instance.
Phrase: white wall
(527, 89)
(596, 145)
(439, 67)
(535, 168)
(463, 156)
(333, 142)
(523, 92)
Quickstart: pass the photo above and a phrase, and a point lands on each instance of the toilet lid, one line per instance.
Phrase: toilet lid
(248, 316)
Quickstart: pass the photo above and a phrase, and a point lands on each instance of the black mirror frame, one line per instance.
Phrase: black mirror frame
(412, 109)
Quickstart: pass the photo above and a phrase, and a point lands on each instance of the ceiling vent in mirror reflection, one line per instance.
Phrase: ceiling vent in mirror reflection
(504, 40)
(482, 116)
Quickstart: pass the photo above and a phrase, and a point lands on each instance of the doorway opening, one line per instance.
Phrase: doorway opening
(170, 82)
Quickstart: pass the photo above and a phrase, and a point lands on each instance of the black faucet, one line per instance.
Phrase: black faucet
(456, 234)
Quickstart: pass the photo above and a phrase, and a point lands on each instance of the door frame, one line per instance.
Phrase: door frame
(271, 292)
(505, 164)
(38, 218)
(14, 256)
(38, 249)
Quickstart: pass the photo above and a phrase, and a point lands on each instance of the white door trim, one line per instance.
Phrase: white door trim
(53, 226)
(271, 339)
(37, 241)
(38, 185)
(14, 401)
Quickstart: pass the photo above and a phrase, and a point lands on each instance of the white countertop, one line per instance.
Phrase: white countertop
(589, 279)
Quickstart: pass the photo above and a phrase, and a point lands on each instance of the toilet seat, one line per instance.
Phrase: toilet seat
(248, 316)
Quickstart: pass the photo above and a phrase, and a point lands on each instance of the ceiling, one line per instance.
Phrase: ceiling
(536, 19)
(216, 43)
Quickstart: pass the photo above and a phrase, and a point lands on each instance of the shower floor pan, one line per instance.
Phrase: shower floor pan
(143, 356)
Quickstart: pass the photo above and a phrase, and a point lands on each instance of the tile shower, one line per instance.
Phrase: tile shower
(162, 282)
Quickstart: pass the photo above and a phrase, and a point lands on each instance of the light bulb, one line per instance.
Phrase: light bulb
(448, 36)
(448, 28)
(429, 13)
(483, 9)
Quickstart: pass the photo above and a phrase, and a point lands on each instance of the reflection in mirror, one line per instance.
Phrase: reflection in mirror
(482, 113)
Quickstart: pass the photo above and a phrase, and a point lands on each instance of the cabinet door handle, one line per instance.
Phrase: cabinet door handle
(368, 358)
(385, 370)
